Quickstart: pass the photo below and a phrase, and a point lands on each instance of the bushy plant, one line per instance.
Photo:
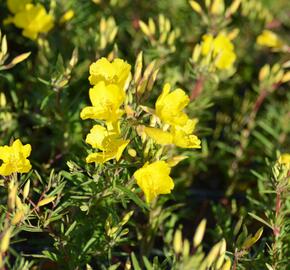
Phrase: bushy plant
(144, 134)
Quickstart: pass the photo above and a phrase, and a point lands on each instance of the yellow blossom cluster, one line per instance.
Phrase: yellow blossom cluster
(109, 80)
(32, 18)
(217, 50)
(107, 96)
(179, 127)
(14, 158)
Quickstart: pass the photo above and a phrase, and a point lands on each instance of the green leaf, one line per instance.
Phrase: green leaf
(252, 240)
(261, 220)
(70, 229)
(133, 197)
(147, 264)
(114, 267)
(135, 262)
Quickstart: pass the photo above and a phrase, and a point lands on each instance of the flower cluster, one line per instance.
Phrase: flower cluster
(217, 50)
(107, 96)
(15, 158)
(33, 19)
(178, 127)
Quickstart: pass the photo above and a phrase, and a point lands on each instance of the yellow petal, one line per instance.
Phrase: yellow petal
(158, 135)
(96, 136)
(172, 162)
(184, 140)
(93, 113)
(17, 5)
(6, 169)
(116, 72)
(169, 106)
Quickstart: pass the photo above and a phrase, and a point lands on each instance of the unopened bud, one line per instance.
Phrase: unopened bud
(67, 16)
(286, 77)
(195, 6)
(264, 72)
(233, 34)
(149, 69)
(126, 218)
(199, 233)
(5, 241)
(222, 254)
(161, 21)
(142, 86)
(138, 67)
(227, 265)
(74, 58)
(2, 100)
(207, 3)
(177, 242)
(213, 254)
(145, 29)
(12, 195)
(233, 7)
(186, 248)
(103, 25)
(46, 201)
(132, 152)
(113, 34)
(17, 217)
(26, 189)
(218, 7)
(151, 25)
(18, 202)
(152, 80)
(196, 53)
(279, 76)
(171, 38)
(163, 37)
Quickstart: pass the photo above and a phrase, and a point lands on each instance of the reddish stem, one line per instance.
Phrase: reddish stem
(197, 89)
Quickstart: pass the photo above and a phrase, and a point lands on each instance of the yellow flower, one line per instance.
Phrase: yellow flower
(269, 39)
(17, 5)
(154, 179)
(116, 72)
(220, 48)
(179, 135)
(15, 158)
(106, 101)
(33, 19)
(169, 106)
(108, 141)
